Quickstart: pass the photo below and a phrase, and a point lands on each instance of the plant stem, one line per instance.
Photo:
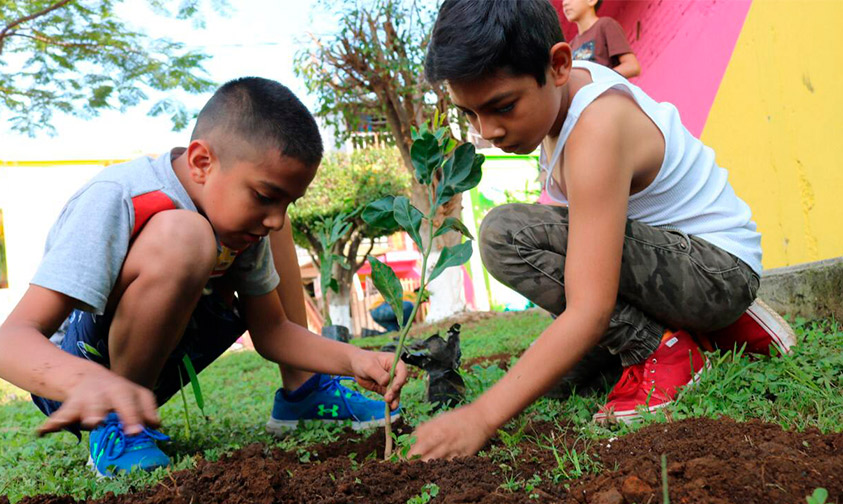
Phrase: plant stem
(387, 452)
(184, 403)
(665, 492)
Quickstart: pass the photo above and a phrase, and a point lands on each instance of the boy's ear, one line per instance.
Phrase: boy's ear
(560, 63)
(200, 158)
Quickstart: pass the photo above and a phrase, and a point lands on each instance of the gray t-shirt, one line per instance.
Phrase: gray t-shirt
(88, 243)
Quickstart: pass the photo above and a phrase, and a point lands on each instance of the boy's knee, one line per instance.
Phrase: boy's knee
(177, 243)
(495, 237)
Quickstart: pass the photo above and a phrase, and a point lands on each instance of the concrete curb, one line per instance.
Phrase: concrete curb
(811, 290)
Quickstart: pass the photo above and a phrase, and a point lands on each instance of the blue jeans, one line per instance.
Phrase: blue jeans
(212, 328)
(385, 316)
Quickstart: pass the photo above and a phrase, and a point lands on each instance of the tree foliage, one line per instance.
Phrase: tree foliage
(79, 57)
(344, 185)
(372, 66)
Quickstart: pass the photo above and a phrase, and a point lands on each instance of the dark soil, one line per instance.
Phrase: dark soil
(708, 461)
(501, 359)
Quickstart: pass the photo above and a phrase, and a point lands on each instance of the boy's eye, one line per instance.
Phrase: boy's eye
(467, 113)
(507, 108)
(265, 200)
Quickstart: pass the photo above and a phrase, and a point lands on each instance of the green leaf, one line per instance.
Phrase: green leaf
(381, 214)
(452, 223)
(389, 286)
(326, 280)
(426, 157)
(194, 381)
(339, 228)
(819, 496)
(451, 256)
(409, 218)
(461, 172)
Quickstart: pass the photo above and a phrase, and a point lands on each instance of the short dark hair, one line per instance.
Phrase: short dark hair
(475, 38)
(597, 5)
(263, 112)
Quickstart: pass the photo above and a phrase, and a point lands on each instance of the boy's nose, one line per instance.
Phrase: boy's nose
(490, 130)
(275, 220)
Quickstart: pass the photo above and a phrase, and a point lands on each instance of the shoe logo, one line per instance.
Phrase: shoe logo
(89, 352)
(672, 341)
(333, 410)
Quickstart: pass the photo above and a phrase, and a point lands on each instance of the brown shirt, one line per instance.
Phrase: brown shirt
(603, 43)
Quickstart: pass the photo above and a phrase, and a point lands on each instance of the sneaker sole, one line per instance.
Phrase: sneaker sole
(95, 470)
(628, 416)
(278, 427)
(779, 330)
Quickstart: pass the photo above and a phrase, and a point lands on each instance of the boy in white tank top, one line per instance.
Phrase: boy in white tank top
(649, 253)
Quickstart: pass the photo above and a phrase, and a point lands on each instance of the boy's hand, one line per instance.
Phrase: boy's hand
(371, 369)
(458, 433)
(97, 394)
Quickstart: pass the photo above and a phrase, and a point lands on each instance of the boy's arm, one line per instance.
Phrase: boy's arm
(279, 340)
(287, 265)
(89, 391)
(628, 65)
(598, 177)
(617, 45)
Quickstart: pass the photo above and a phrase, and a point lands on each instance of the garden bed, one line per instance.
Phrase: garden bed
(786, 444)
(707, 461)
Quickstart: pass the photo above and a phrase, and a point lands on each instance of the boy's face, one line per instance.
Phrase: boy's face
(246, 199)
(512, 112)
(576, 9)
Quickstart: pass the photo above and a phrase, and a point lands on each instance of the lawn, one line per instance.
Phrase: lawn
(797, 392)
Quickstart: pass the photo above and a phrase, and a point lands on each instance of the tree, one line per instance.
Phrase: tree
(345, 184)
(78, 57)
(372, 67)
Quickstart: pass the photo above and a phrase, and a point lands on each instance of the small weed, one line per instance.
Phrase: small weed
(531, 484)
(428, 492)
(819, 496)
(304, 455)
(570, 463)
(511, 483)
(403, 444)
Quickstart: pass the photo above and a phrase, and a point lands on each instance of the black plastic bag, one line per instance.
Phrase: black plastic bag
(441, 360)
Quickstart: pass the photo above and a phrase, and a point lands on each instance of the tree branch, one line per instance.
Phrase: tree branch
(30, 17)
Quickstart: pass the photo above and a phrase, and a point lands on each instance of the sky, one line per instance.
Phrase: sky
(255, 38)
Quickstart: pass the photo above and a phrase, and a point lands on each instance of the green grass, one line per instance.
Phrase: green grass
(796, 391)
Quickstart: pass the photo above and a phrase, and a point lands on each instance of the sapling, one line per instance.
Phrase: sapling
(445, 170)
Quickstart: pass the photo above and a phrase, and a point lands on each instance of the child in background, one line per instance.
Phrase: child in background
(600, 39)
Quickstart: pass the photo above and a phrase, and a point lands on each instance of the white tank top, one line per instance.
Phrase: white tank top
(690, 193)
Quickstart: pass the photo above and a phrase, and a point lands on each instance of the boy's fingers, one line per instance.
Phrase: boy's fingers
(400, 376)
(126, 406)
(381, 375)
(67, 414)
(92, 414)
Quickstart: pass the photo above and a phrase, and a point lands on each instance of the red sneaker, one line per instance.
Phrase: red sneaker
(758, 328)
(653, 384)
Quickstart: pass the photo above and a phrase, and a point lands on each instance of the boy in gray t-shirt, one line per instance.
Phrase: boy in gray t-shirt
(156, 261)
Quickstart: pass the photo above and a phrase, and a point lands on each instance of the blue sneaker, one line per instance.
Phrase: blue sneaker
(113, 452)
(328, 401)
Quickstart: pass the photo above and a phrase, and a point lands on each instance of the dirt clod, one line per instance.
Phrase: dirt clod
(635, 490)
(611, 496)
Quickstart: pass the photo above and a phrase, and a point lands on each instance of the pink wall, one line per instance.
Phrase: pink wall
(684, 47)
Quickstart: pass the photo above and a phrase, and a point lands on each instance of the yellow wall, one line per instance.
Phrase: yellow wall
(777, 126)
